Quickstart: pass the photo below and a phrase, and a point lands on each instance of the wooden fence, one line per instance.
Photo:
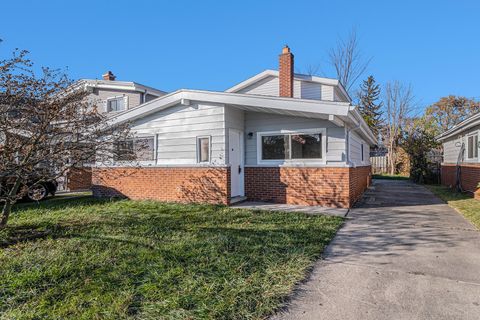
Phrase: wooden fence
(379, 164)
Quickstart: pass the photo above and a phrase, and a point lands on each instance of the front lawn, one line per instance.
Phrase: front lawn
(92, 259)
(386, 176)
(466, 205)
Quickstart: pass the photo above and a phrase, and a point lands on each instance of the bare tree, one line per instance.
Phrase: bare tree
(398, 101)
(47, 126)
(348, 61)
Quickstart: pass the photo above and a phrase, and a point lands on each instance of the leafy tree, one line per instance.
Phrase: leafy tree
(418, 141)
(448, 111)
(399, 101)
(370, 107)
(47, 126)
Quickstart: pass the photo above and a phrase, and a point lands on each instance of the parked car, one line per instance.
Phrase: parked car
(41, 190)
(37, 191)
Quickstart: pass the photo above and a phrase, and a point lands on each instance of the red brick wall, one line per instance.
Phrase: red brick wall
(177, 184)
(285, 73)
(469, 176)
(360, 180)
(79, 179)
(333, 187)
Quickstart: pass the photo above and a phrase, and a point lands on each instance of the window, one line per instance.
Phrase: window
(116, 104)
(203, 149)
(140, 149)
(363, 152)
(472, 146)
(291, 146)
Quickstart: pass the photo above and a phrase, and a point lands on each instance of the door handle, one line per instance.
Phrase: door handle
(239, 169)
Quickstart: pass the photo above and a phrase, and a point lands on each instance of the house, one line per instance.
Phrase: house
(278, 137)
(461, 164)
(110, 97)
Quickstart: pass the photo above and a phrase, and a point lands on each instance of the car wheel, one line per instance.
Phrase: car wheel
(37, 192)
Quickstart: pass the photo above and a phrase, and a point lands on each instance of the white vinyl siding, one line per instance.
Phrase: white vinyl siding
(452, 147)
(177, 129)
(327, 93)
(265, 122)
(264, 87)
(311, 90)
(301, 89)
(234, 119)
(356, 150)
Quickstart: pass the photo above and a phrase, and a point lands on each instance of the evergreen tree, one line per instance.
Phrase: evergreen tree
(369, 106)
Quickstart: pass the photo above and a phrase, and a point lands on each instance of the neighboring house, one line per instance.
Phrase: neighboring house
(278, 137)
(109, 96)
(461, 163)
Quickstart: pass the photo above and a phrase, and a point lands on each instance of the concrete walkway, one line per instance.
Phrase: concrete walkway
(403, 254)
(314, 210)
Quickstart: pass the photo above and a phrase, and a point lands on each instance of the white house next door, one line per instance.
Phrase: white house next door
(235, 156)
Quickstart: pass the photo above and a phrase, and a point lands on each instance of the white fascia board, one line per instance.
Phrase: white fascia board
(459, 128)
(297, 76)
(122, 85)
(277, 103)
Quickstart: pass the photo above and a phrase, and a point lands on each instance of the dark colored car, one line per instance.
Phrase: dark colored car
(37, 191)
(41, 190)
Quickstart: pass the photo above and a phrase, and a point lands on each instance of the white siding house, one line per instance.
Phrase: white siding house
(308, 146)
(461, 160)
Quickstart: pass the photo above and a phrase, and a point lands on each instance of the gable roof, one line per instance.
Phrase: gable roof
(297, 76)
(120, 85)
(460, 127)
(329, 110)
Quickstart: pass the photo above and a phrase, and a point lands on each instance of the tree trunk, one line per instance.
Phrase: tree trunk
(7, 206)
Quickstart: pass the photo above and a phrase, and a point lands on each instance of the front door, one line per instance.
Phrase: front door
(235, 156)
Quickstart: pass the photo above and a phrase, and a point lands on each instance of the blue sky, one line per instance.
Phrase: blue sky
(212, 45)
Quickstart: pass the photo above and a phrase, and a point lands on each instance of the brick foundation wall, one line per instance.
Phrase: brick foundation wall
(79, 179)
(176, 184)
(469, 176)
(360, 179)
(325, 186)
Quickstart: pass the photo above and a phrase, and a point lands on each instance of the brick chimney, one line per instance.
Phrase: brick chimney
(109, 76)
(285, 71)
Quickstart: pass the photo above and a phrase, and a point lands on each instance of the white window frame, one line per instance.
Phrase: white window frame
(472, 134)
(319, 161)
(209, 149)
(125, 103)
(155, 151)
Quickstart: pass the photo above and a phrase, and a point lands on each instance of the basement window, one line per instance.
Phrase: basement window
(307, 145)
(472, 146)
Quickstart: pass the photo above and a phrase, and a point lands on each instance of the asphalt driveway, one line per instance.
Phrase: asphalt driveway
(402, 254)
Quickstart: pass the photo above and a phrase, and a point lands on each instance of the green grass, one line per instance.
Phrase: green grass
(466, 205)
(385, 176)
(92, 259)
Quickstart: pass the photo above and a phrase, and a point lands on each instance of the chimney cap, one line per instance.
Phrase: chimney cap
(286, 49)
(109, 76)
